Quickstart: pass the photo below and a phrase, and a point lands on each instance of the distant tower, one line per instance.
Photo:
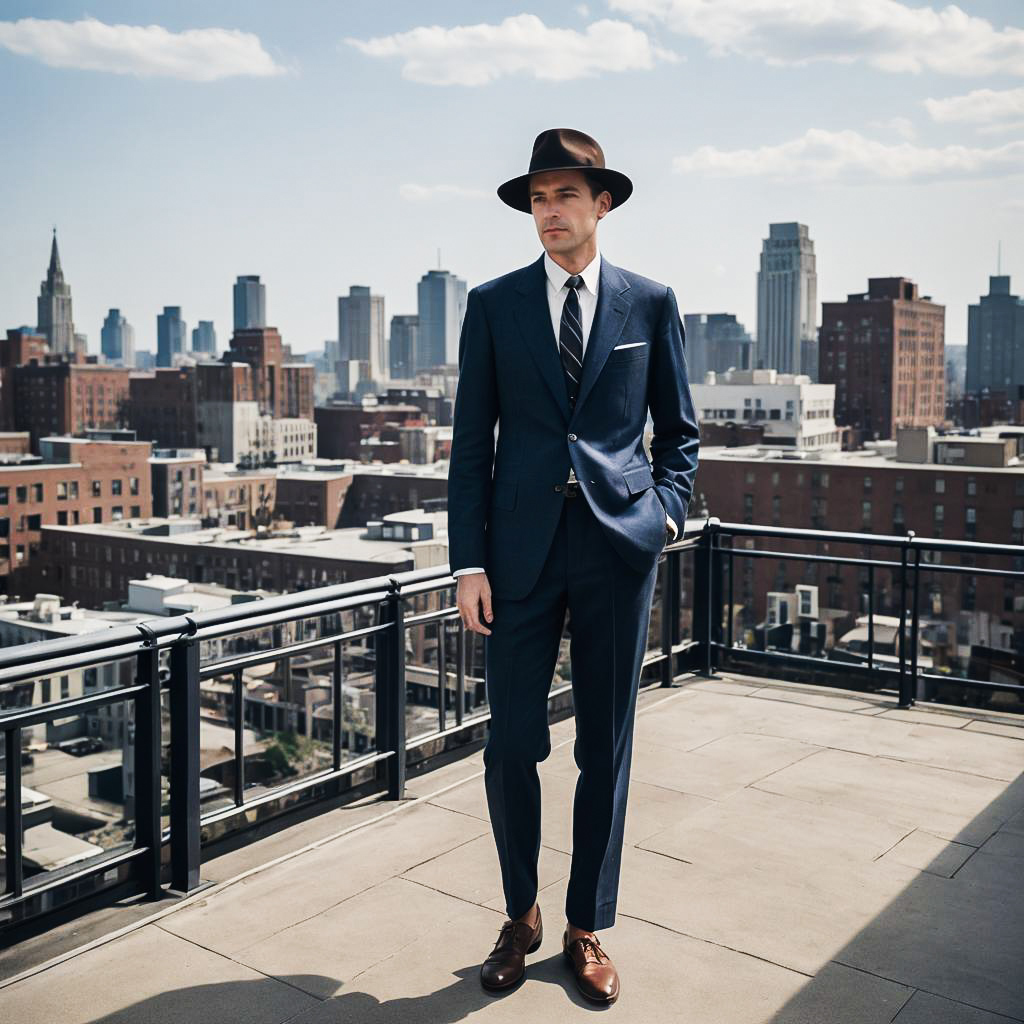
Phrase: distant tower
(995, 339)
(404, 331)
(170, 335)
(54, 306)
(363, 361)
(787, 302)
(250, 302)
(442, 305)
(204, 338)
(117, 339)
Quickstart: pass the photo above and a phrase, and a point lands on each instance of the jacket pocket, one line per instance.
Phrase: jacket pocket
(638, 479)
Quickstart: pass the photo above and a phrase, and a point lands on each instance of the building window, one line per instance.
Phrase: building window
(97, 489)
(940, 513)
(940, 485)
(867, 483)
(97, 515)
(62, 491)
(117, 512)
(133, 485)
(35, 522)
(898, 485)
(115, 487)
(37, 492)
(74, 489)
(3, 495)
(972, 486)
(136, 511)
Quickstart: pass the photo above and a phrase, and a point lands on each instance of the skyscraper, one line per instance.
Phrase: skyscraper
(404, 333)
(715, 341)
(250, 302)
(442, 306)
(54, 306)
(787, 301)
(170, 335)
(362, 351)
(995, 340)
(117, 339)
(204, 338)
(884, 349)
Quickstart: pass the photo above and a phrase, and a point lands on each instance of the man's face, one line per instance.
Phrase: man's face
(563, 209)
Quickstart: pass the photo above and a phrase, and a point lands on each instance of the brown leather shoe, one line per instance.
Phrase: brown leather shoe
(596, 977)
(506, 963)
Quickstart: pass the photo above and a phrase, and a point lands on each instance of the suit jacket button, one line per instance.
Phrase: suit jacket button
(558, 487)
(572, 437)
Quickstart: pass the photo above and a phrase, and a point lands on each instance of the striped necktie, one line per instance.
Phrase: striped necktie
(570, 339)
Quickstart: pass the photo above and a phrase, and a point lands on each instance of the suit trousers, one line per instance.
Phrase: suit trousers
(609, 608)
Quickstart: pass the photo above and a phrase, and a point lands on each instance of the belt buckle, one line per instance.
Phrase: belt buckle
(572, 488)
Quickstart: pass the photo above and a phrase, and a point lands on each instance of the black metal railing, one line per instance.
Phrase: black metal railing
(165, 655)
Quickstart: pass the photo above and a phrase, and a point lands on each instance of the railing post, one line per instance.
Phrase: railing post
(390, 648)
(337, 707)
(915, 620)
(148, 739)
(12, 811)
(704, 591)
(238, 710)
(905, 698)
(184, 703)
(669, 615)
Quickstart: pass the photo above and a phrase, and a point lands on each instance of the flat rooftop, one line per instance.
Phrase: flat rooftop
(792, 854)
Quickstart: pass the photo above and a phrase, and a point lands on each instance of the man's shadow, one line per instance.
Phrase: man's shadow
(287, 998)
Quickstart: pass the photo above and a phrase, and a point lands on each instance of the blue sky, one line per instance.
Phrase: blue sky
(323, 144)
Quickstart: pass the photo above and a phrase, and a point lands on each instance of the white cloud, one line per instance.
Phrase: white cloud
(887, 34)
(988, 110)
(201, 54)
(820, 155)
(523, 44)
(901, 126)
(427, 193)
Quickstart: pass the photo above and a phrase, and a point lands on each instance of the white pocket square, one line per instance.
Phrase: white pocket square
(630, 344)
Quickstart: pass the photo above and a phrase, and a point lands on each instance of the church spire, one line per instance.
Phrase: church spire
(54, 255)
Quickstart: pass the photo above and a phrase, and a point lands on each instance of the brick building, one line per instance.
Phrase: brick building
(884, 351)
(868, 492)
(78, 481)
(67, 398)
(177, 479)
(364, 433)
(20, 346)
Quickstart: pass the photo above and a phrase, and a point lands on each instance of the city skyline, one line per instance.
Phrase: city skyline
(901, 151)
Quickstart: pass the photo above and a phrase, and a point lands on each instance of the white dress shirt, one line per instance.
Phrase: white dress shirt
(558, 291)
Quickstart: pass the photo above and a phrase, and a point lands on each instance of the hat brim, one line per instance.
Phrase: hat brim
(516, 191)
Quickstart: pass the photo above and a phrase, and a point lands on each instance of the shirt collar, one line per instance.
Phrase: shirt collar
(557, 275)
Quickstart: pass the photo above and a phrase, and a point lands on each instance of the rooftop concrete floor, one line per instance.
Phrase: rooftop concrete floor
(793, 854)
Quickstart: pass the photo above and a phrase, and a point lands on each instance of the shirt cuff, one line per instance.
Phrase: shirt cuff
(672, 524)
(462, 572)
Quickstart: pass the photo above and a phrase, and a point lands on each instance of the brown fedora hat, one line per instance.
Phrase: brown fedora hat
(564, 149)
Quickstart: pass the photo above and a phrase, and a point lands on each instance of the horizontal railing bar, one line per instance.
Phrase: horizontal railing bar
(228, 665)
(883, 539)
(39, 714)
(172, 627)
(35, 669)
(983, 684)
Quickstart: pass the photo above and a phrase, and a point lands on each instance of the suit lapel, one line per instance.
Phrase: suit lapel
(533, 318)
(609, 320)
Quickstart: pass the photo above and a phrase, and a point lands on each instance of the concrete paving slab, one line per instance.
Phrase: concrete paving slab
(153, 977)
(840, 994)
(265, 903)
(662, 974)
(998, 728)
(951, 938)
(395, 919)
(924, 716)
(472, 871)
(753, 823)
(925, 1008)
(926, 852)
(948, 804)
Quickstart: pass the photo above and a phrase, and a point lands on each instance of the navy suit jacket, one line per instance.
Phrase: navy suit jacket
(503, 505)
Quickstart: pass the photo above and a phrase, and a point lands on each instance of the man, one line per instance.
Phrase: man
(566, 355)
